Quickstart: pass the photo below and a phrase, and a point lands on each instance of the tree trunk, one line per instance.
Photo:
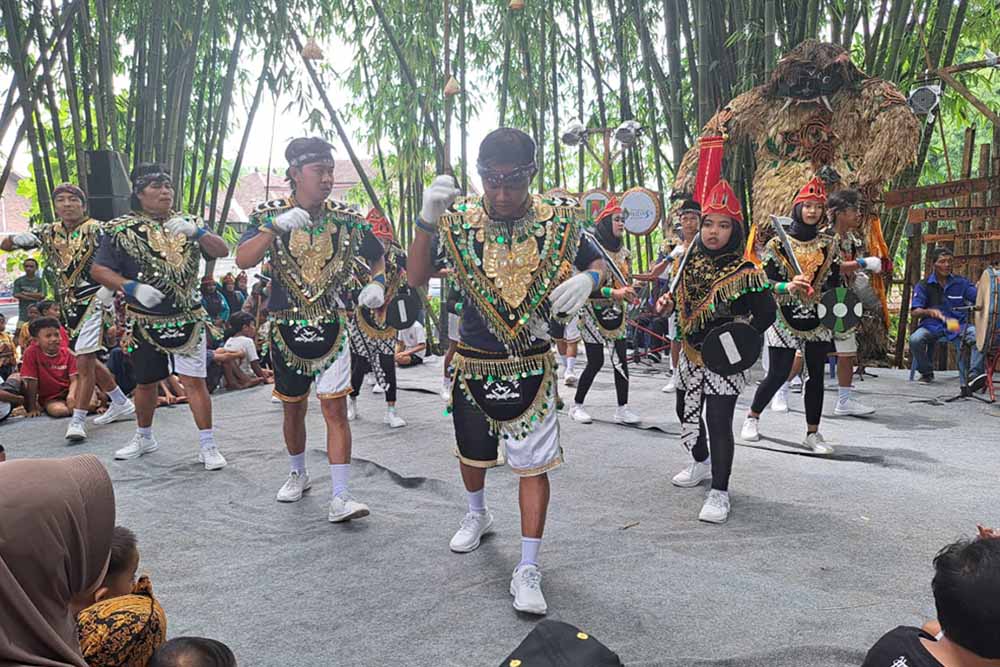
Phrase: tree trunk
(227, 100)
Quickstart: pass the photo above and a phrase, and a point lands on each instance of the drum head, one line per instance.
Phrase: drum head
(403, 310)
(731, 348)
(987, 314)
(642, 211)
(593, 202)
(840, 309)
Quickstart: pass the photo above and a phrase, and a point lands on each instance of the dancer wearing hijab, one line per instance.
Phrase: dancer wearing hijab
(718, 286)
(56, 527)
(798, 326)
(602, 320)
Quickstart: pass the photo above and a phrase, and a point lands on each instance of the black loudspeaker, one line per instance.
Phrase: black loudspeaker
(557, 644)
(108, 186)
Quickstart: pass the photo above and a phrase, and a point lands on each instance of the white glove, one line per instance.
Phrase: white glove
(105, 296)
(570, 295)
(25, 240)
(293, 218)
(873, 264)
(438, 196)
(372, 296)
(147, 295)
(179, 225)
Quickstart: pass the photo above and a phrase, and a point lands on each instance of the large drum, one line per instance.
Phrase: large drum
(642, 211)
(987, 319)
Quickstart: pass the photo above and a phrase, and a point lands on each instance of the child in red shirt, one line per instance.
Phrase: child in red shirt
(48, 371)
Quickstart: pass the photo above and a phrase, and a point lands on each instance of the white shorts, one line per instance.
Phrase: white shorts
(453, 327)
(538, 452)
(335, 381)
(194, 363)
(845, 345)
(572, 334)
(672, 327)
(90, 334)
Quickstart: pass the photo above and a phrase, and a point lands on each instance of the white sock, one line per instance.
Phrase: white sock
(79, 416)
(477, 500)
(339, 474)
(117, 396)
(529, 550)
(562, 359)
(390, 409)
(206, 438)
(570, 364)
(843, 395)
(298, 463)
(144, 432)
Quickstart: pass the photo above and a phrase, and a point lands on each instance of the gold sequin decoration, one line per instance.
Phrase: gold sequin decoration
(511, 268)
(167, 245)
(311, 253)
(810, 257)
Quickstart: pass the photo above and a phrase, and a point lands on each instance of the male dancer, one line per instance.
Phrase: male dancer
(511, 256)
(311, 242)
(69, 245)
(153, 255)
(689, 216)
(372, 340)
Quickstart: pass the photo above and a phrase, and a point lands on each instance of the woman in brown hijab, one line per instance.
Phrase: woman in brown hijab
(56, 522)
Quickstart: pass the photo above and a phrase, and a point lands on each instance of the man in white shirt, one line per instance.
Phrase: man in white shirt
(411, 346)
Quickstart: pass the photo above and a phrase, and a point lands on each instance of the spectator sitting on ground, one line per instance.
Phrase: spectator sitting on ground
(966, 589)
(51, 309)
(193, 652)
(242, 283)
(8, 350)
(55, 540)
(11, 395)
(23, 337)
(242, 339)
(48, 372)
(118, 361)
(28, 289)
(171, 391)
(126, 624)
(234, 298)
(216, 307)
(411, 346)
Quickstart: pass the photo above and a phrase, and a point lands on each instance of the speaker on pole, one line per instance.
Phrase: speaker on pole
(108, 185)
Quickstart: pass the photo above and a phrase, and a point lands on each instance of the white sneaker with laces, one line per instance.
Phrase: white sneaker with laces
(570, 379)
(623, 415)
(470, 533)
(751, 429)
(526, 587)
(352, 408)
(852, 408)
(780, 401)
(694, 474)
(293, 488)
(136, 448)
(378, 389)
(275, 399)
(579, 415)
(816, 443)
(344, 508)
(212, 458)
(116, 413)
(446, 390)
(392, 420)
(671, 386)
(75, 432)
(716, 507)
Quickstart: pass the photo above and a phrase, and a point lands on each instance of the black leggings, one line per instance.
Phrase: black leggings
(360, 366)
(595, 362)
(781, 360)
(719, 416)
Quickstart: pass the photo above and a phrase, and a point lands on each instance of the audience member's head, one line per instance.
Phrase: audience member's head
(48, 308)
(941, 258)
(46, 331)
(242, 324)
(967, 594)
(193, 652)
(32, 311)
(208, 285)
(3, 322)
(123, 631)
(30, 266)
(55, 541)
(122, 567)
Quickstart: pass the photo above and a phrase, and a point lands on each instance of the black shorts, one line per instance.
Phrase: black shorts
(149, 365)
(476, 446)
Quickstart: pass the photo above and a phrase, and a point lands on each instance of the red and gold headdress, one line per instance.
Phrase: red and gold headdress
(381, 228)
(814, 190)
(722, 200)
(612, 208)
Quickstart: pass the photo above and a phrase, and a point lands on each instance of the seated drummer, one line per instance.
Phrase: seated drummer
(934, 300)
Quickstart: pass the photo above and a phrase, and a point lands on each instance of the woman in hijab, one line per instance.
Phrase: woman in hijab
(234, 298)
(718, 285)
(56, 522)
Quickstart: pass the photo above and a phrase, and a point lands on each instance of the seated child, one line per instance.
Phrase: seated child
(23, 336)
(171, 391)
(243, 370)
(8, 350)
(48, 372)
(193, 652)
(411, 346)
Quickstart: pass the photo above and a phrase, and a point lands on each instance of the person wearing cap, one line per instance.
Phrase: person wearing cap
(602, 320)
(68, 245)
(798, 326)
(311, 243)
(512, 256)
(719, 285)
(373, 341)
(153, 254)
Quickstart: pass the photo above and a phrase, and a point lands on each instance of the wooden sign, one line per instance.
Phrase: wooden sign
(985, 235)
(926, 193)
(918, 215)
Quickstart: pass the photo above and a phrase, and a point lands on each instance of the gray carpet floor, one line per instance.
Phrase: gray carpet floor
(819, 558)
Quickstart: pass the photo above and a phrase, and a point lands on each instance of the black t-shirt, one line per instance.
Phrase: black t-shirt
(901, 648)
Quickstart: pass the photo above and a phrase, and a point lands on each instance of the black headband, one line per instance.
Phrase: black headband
(324, 157)
(140, 182)
(496, 176)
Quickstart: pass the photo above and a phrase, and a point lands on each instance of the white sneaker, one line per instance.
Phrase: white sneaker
(796, 384)
(816, 443)
(75, 431)
(526, 587)
(578, 414)
(751, 429)
(117, 412)
(352, 408)
(212, 458)
(446, 390)
(625, 416)
(851, 408)
(671, 386)
(275, 399)
(378, 389)
(392, 420)
(470, 533)
(136, 448)
(780, 401)
(694, 474)
(293, 488)
(344, 508)
(570, 379)
(716, 507)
